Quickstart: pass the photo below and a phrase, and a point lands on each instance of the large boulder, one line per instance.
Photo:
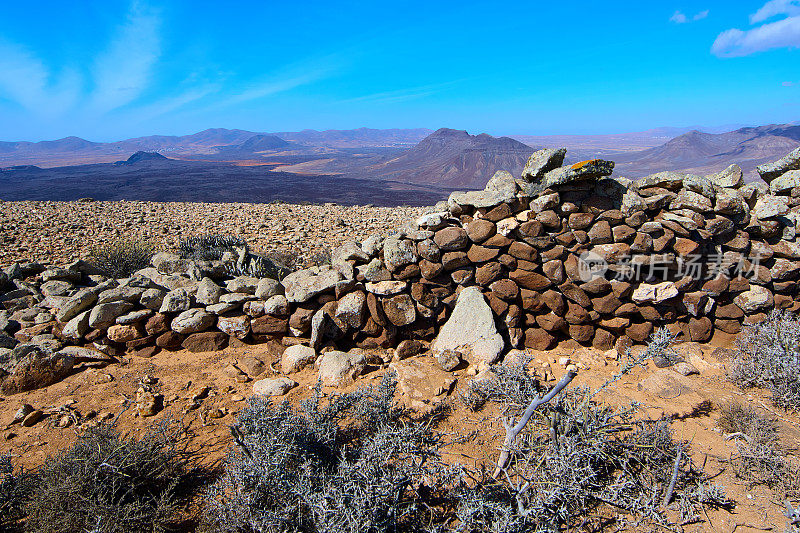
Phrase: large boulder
(34, 367)
(543, 161)
(193, 321)
(340, 369)
(583, 171)
(303, 285)
(770, 171)
(471, 328)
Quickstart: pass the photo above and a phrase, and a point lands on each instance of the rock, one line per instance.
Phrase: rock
(35, 368)
(654, 293)
(303, 285)
(208, 341)
(421, 381)
(243, 284)
(398, 252)
(21, 413)
(665, 384)
(175, 301)
(480, 199)
(769, 206)
(269, 325)
(685, 369)
(273, 386)
(296, 357)
(125, 333)
(152, 298)
(147, 403)
(585, 170)
(785, 183)
(731, 177)
(267, 288)
(134, 316)
(351, 309)
(400, 309)
(349, 251)
(127, 294)
(407, 348)
(543, 161)
(386, 288)
(451, 239)
(234, 326)
(277, 305)
(754, 299)
(770, 171)
(192, 321)
(105, 315)
(471, 328)
(82, 301)
(448, 360)
(170, 340)
(340, 369)
(208, 292)
(77, 327)
(32, 417)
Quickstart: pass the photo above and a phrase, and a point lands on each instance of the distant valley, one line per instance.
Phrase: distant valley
(381, 167)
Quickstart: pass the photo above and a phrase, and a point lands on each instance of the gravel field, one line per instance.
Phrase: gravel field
(60, 232)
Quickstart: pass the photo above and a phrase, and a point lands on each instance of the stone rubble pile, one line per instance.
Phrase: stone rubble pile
(562, 252)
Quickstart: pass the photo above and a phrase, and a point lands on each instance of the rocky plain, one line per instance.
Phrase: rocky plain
(437, 295)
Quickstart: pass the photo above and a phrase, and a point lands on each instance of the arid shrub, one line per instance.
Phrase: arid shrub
(759, 459)
(356, 464)
(12, 496)
(107, 482)
(209, 247)
(122, 257)
(769, 356)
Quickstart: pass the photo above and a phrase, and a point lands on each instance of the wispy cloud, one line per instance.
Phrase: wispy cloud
(774, 8)
(783, 33)
(788, 84)
(680, 18)
(26, 81)
(123, 71)
(402, 95)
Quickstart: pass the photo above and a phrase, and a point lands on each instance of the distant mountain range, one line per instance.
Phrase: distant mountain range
(278, 165)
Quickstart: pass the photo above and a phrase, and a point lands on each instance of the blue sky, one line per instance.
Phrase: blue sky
(107, 70)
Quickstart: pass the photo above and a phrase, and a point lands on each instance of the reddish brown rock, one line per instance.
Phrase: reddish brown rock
(580, 220)
(700, 329)
(532, 301)
(575, 294)
(479, 230)
(731, 327)
(505, 289)
(623, 233)
(539, 339)
(529, 280)
(269, 325)
(551, 322)
(606, 304)
(499, 213)
(600, 233)
(453, 260)
(716, 286)
(463, 276)
(480, 254)
(486, 274)
(521, 250)
(400, 309)
(597, 286)
(582, 333)
(554, 301)
(451, 238)
(603, 340)
(170, 340)
(498, 306)
(576, 314)
(300, 320)
(157, 324)
(145, 351)
(639, 332)
(207, 341)
(729, 311)
(497, 241)
(554, 270)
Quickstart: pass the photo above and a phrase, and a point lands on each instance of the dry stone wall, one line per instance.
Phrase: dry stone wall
(559, 252)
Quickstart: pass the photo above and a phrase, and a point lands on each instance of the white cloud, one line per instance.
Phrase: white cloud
(787, 83)
(774, 8)
(680, 18)
(783, 33)
(26, 81)
(123, 71)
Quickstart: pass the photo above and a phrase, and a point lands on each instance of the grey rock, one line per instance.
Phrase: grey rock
(245, 284)
(478, 199)
(105, 315)
(340, 369)
(80, 302)
(700, 185)
(193, 321)
(731, 178)
(296, 357)
(349, 251)
(176, 301)
(169, 263)
(770, 171)
(303, 285)
(236, 297)
(208, 292)
(152, 298)
(448, 360)
(584, 171)
(125, 293)
(273, 386)
(134, 316)
(277, 305)
(351, 309)
(267, 288)
(56, 287)
(769, 206)
(503, 182)
(374, 271)
(37, 368)
(398, 252)
(471, 328)
(543, 161)
(222, 307)
(754, 299)
(372, 245)
(667, 180)
(77, 327)
(785, 182)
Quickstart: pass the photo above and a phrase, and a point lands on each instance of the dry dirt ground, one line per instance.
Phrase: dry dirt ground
(104, 393)
(60, 232)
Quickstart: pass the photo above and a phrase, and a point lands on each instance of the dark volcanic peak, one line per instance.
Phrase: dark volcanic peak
(454, 158)
(140, 157)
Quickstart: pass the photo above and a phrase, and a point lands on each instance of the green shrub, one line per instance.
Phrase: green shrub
(107, 482)
(122, 257)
